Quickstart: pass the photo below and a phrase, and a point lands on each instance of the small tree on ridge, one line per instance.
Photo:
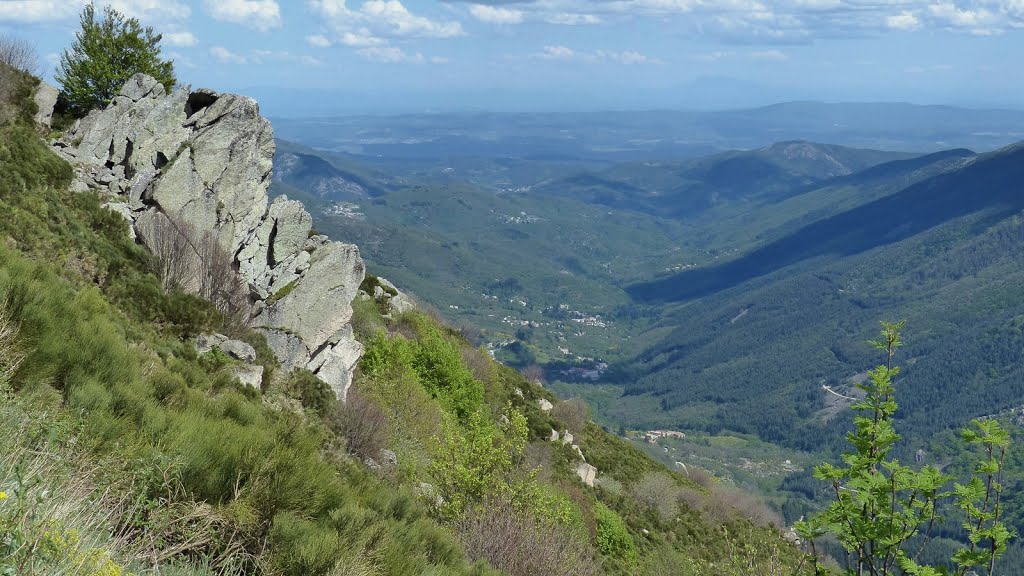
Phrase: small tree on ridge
(104, 55)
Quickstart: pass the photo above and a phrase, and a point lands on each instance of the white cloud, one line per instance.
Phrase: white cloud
(713, 56)
(36, 11)
(372, 27)
(395, 55)
(259, 15)
(772, 55)
(781, 21)
(30, 11)
(150, 11)
(903, 21)
(565, 53)
(495, 14)
(929, 69)
(571, 19)
(383, 18)
(978, 20)
(180, 60)
(393, 14)
(361, 39)
(628, 57)
(182, 38)
(260, 56)
(225, 56)
(318, 40)
(556, 53)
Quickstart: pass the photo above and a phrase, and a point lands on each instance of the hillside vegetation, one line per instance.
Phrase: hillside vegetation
(128, 452)
(742, 319)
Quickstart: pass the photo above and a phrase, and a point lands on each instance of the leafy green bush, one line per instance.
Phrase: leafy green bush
(436, 361)
(613, 539)
(881, 507)
(478, 461)
(311, 548)
(17, 88)
(312, 392)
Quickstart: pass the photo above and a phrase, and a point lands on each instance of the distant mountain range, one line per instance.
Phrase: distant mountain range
(685, 188)
(616, 136)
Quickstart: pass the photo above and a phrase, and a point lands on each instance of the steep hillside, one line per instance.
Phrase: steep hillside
(152, 430)
(753, 340)
(986, 184)
(323, 179)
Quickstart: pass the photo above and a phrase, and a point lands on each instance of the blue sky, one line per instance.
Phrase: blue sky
(409, 55)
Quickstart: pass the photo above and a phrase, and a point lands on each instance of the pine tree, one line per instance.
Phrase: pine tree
(105, 54)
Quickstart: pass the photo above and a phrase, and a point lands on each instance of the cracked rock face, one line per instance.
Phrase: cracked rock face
(206, 158)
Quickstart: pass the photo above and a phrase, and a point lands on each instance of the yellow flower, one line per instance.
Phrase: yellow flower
(3, 495)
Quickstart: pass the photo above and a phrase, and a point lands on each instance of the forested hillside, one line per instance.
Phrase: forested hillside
(777, 323)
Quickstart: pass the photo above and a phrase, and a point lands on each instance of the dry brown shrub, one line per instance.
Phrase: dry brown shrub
(750, 506)
(195, 262)
(362, 423)
(534, 373)
(19, 54)
(659, 492)
(10, 356)
(538, 456)
(574, 413)
(700, 476)
(479, 363)
(472, 334)
(723, 504)
(522, 545)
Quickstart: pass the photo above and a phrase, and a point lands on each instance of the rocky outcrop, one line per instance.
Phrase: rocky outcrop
(205, 158)
(46, 100)
(248, 374)
(390, 300)
(398, 301)
(586, 472)
(235, 348)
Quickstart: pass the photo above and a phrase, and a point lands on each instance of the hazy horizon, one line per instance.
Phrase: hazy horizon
(394, 56)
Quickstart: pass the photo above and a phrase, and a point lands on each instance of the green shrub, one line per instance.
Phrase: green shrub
(366, 319)
(613, 539)
(17, 88)
(306, 547)
(27, 163)
(312, 392)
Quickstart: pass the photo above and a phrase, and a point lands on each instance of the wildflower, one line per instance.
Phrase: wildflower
(3, 495)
